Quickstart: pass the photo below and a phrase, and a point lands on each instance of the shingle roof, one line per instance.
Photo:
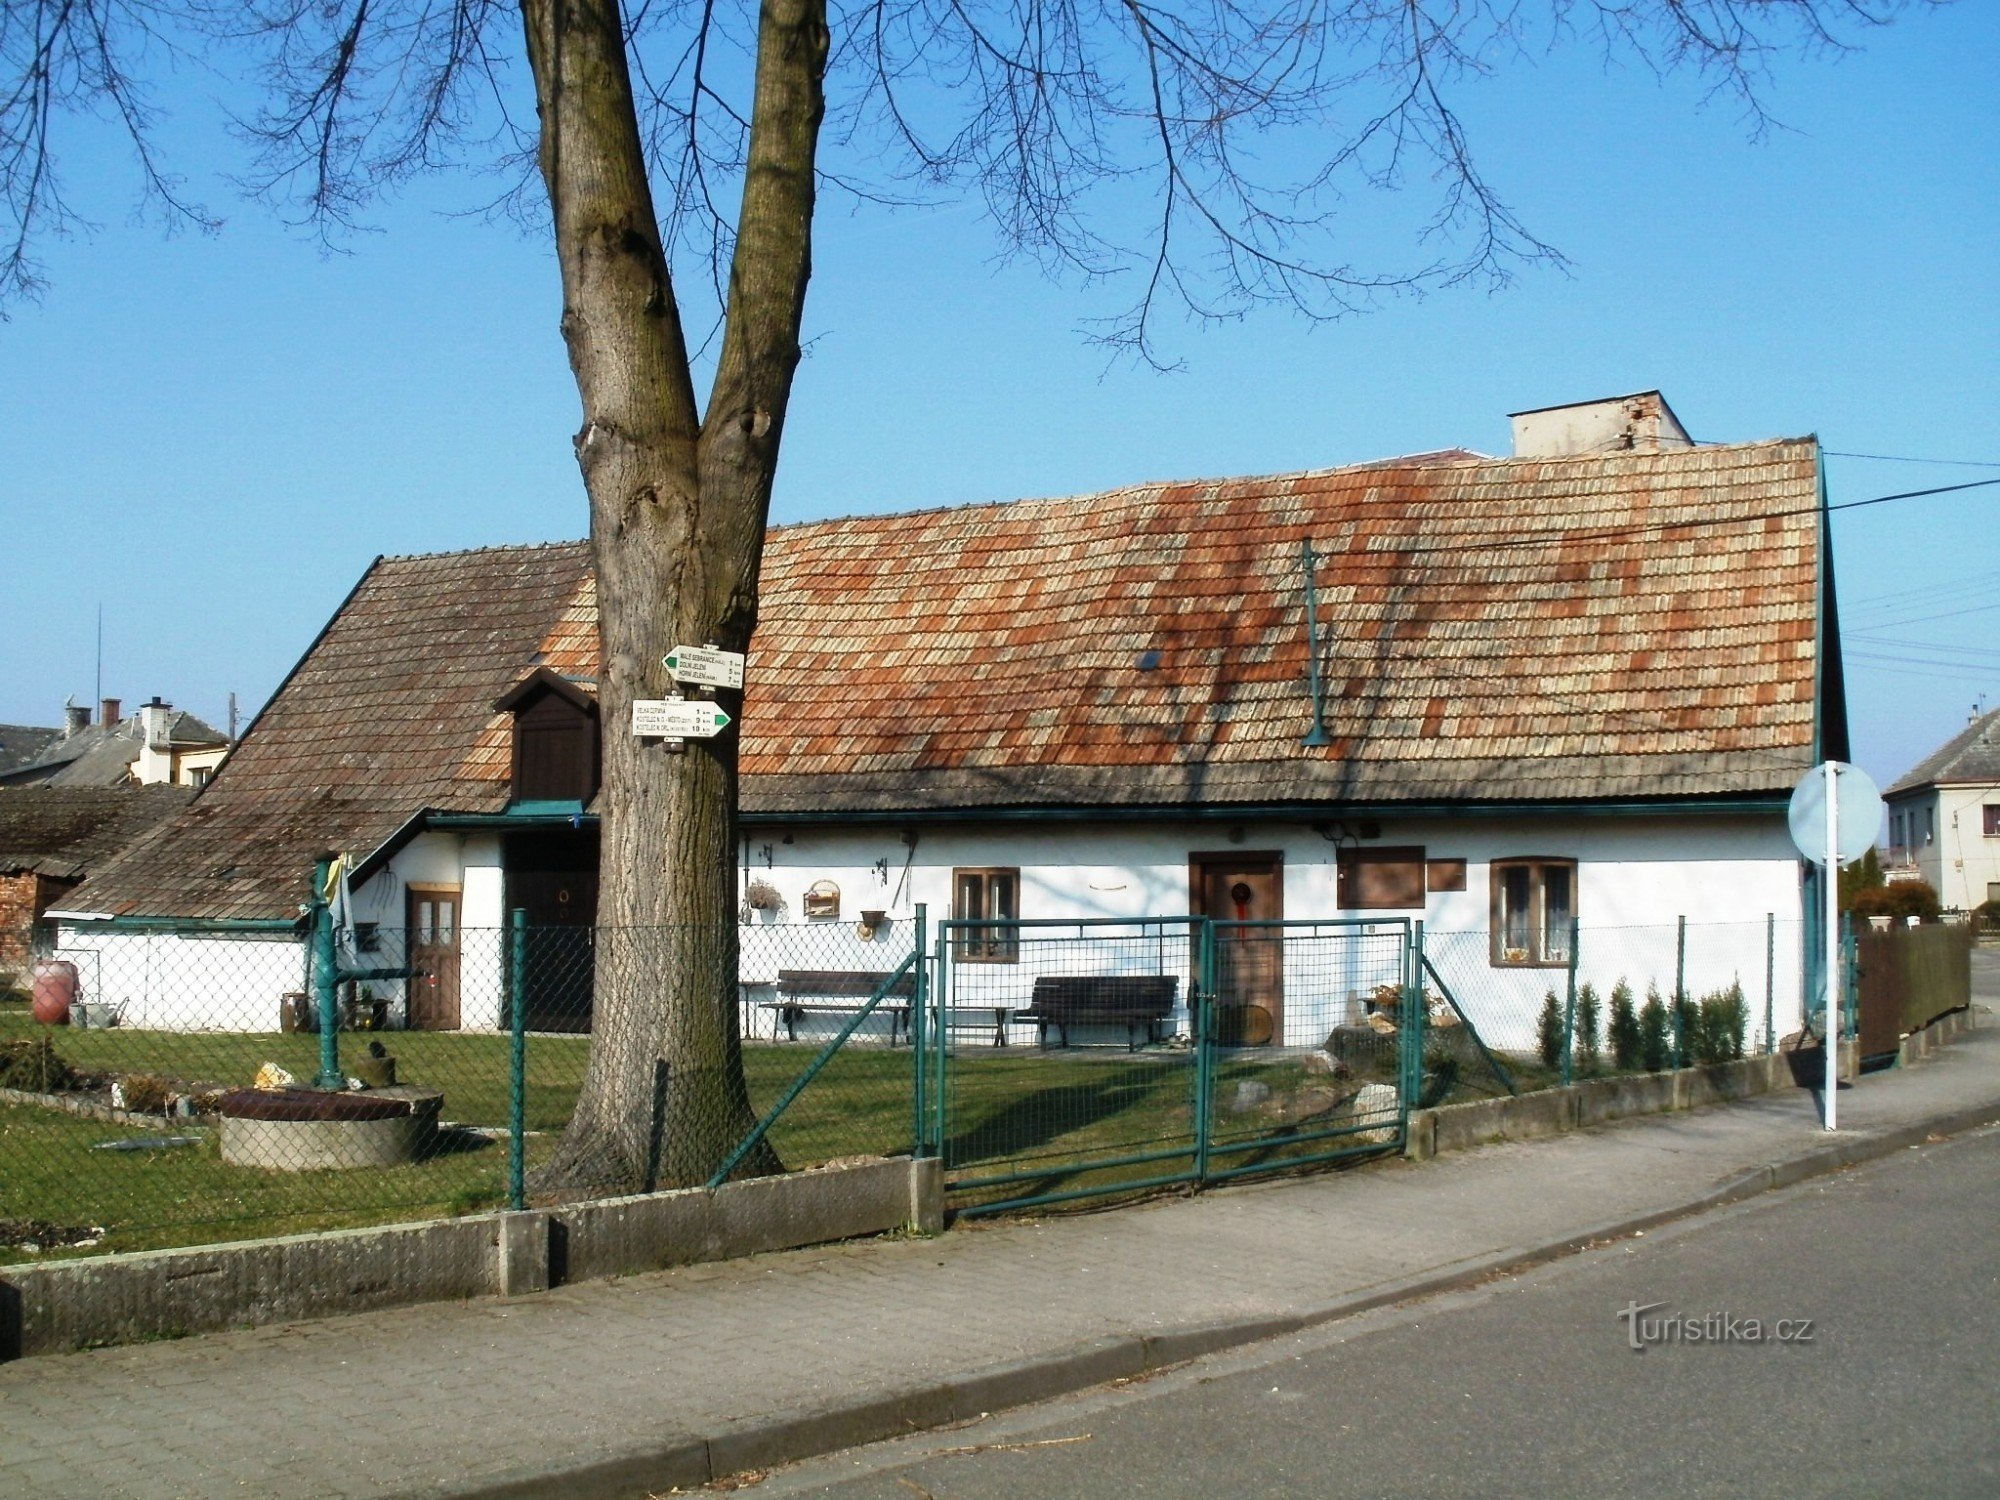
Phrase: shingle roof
(993, 655)
(21, 743)
(1634, 625)
(1970, 756)
(380, 720)
(62, 831)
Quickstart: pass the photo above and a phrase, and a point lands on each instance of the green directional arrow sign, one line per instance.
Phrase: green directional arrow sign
(677, 719)
(708, 665)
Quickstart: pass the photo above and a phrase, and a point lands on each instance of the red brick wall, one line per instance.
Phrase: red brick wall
(22, 899)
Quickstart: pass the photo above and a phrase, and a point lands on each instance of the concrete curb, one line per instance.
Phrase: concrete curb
(790, 1437)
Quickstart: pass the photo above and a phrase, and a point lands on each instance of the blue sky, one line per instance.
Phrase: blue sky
(212, 436)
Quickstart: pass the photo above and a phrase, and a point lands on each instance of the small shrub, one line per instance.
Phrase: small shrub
(1589, 1015)
(35, 1067)
(1736, 1021)
(1686, 1019)
(1905, 898)
(1653, 1042)
(147, 1093)
(1721, 1026)
(1625, 1038)
(1549, 1031)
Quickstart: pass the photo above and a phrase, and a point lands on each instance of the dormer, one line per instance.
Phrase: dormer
(555, 739)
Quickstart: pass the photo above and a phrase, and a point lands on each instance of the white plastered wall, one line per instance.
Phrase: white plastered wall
(185, 983)
(1637, 878)
(472, 863)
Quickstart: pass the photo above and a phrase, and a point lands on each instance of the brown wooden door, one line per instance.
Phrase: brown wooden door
(1249, 961)
(433, 949)
(552, 879)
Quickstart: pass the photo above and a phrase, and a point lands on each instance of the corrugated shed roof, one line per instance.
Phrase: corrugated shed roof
(1970, 756)
(1634, 625)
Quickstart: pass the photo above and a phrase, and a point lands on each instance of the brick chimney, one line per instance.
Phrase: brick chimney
(76, 719)
(108, 717)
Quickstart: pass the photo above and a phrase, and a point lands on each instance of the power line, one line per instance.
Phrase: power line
(1892, 643)
(1536, 539)
(1976, 585)
(1902, 458)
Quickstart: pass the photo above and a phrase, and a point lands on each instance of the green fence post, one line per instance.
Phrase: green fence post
(1850, 980)
(1201, 1010)
(940, 1101)
(1413, 1023)
(1770, 978)
(1680, 993)
(517, 1061)
(918, 1004)
(326, 980)
(1569, 1013)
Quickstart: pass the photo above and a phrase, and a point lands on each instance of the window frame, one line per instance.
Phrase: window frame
(1538, 952)
(969, 945)
(1989, 819)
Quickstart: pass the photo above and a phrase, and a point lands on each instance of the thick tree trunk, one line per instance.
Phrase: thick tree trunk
(677, 514)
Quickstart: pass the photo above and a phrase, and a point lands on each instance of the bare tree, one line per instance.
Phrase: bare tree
(1201, 151)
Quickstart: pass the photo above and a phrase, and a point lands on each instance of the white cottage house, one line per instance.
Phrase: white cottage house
(1562, 687)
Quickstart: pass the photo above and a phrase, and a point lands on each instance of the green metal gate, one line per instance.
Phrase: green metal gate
(1067, 1059)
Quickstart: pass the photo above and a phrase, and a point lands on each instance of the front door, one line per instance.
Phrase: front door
(552, 879)
(1249, 961)
(433, 952)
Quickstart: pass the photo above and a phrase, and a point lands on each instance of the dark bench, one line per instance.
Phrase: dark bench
(1129, 1000)
(840, 992)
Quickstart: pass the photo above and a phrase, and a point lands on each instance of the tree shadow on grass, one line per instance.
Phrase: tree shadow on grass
(1032, 1122)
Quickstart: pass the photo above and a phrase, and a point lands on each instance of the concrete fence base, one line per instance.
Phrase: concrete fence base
(1944, 1029)
(122, 1299)
(1459, 1127)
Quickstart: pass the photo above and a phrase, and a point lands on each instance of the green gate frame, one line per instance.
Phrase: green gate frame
(934, 1074)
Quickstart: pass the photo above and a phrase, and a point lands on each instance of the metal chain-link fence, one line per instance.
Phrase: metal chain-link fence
(175, 1087)
(185, 1085)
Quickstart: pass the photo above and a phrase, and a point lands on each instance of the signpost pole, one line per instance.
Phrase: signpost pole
(1831, 874)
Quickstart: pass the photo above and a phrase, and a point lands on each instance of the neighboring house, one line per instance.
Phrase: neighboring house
(51, 837)
(21, 743)
(1562, 686)
(159, 746)
(1944, 817)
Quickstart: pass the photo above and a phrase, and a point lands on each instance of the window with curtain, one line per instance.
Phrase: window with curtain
(987, 896)
(1534, 911)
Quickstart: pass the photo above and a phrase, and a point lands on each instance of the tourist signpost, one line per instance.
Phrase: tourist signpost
(677, 719)
(709, 666)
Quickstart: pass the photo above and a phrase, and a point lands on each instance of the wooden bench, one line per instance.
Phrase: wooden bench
(972, 1016)
(1129, 1000)
(840, 992)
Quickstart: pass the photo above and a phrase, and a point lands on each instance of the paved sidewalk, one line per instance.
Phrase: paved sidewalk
(624, 1387)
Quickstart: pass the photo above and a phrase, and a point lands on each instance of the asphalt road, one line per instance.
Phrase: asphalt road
(1530, 1386)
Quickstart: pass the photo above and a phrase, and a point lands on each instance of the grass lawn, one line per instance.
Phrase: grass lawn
(49, 1171)
(1044, 1115)
(183, 1195)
